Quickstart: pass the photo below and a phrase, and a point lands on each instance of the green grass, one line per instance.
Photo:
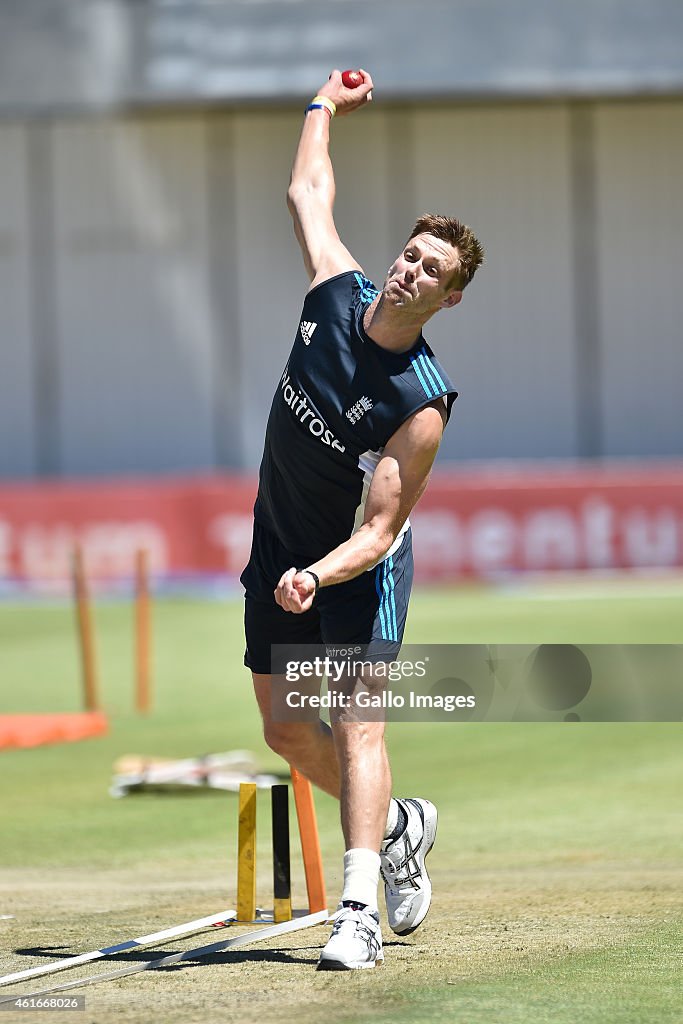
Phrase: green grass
(533, 816)
(579, 613)
(634, 984)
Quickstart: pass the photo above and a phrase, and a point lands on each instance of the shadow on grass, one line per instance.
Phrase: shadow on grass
(242, 956)
(146, 956)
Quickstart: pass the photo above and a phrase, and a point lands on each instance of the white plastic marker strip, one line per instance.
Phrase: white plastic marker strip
(308, 921)
(120, 947)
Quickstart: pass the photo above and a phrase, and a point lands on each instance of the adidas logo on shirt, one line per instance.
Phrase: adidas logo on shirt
(307, 329)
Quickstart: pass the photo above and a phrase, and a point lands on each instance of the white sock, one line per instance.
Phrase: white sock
(361, 877)
(392, 818)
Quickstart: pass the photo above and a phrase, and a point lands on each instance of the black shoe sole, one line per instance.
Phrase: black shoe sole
(337, 965)
(332, 965)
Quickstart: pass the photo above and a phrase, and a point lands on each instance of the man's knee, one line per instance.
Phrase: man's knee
(287, 738)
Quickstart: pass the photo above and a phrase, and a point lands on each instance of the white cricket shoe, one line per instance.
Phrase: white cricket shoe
(355, 943)
(407, 887)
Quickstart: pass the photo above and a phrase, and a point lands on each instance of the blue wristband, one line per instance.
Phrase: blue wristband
(318, 106)
(323, 101)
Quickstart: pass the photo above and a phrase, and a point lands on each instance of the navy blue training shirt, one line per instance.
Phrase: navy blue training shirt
(340, 398)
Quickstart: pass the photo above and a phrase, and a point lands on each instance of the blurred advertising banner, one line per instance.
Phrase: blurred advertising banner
(497, 521)
(186, 525)
(478, 524)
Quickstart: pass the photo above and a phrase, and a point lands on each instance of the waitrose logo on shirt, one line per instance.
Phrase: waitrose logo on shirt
(298, 403)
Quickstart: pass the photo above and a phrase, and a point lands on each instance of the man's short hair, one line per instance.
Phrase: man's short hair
(462, 238)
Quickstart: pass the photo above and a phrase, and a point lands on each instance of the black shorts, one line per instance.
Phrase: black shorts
(369, 610)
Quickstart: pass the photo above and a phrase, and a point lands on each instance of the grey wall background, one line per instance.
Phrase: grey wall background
(76, 53)
(150, 284)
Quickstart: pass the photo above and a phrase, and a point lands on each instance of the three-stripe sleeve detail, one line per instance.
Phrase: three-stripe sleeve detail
(427, 374)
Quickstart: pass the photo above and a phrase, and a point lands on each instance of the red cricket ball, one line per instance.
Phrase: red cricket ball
(352, 79)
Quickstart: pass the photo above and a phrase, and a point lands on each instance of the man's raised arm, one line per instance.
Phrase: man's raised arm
(310, 197)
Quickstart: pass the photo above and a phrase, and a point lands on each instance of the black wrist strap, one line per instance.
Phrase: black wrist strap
(316, 579)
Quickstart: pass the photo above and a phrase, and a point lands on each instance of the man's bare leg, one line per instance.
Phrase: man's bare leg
(365, 778)
(307, 746)
(348, 763)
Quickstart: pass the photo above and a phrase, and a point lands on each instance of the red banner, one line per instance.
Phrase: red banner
(479, 523)
(505, 520)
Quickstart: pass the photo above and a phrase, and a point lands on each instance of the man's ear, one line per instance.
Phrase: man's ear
(452, 299)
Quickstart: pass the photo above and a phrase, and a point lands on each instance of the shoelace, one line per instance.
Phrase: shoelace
(354, 918)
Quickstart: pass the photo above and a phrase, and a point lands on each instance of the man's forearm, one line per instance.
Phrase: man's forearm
(312, 169)
(356, 555)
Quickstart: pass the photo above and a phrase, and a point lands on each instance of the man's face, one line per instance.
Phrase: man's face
(419, 279)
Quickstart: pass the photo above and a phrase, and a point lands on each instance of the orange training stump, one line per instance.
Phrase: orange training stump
(36, 730)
